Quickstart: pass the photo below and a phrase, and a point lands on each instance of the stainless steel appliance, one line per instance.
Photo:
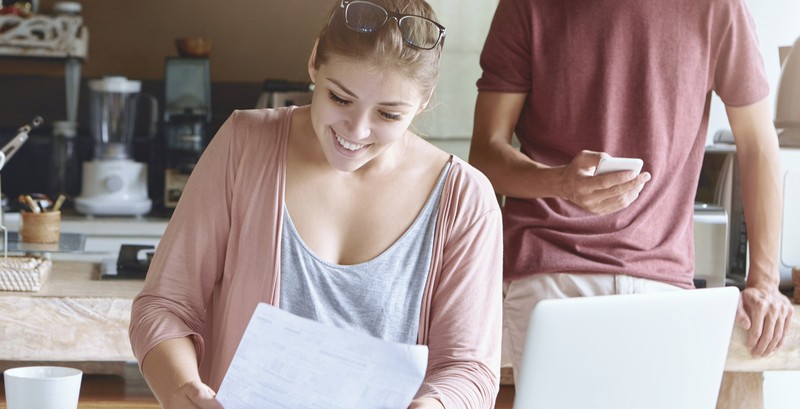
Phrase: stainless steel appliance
(187, 114)
(281, 93)
(113, 183)
(711, 239)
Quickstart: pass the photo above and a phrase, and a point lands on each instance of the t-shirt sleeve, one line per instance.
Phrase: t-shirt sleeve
(739, 75)
(506, 55)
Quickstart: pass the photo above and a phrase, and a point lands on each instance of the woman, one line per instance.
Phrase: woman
(336, 212)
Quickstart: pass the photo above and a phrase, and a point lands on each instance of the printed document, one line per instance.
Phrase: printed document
(285, 361)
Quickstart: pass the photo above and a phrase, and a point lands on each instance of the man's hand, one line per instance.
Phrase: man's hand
(195, 395)
(602, 194)
(766, 314)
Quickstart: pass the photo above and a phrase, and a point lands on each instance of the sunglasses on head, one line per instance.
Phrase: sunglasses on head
(418, 32)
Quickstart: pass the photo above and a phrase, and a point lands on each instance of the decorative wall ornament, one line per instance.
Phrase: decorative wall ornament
(43, 36)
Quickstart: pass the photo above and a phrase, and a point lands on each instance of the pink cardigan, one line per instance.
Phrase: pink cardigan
(220, 256)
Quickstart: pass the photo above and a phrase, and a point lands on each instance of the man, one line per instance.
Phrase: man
(579, 80)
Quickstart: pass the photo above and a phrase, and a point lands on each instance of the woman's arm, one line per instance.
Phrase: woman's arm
(187, 265)
(426, 403)
(465, 319)
(170, 369)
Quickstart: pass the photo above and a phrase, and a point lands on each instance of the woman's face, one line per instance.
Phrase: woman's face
(359, 112)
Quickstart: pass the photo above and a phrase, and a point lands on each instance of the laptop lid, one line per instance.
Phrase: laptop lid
(656, 351)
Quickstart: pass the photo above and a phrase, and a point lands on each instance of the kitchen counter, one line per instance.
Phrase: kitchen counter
(104, 235)
(785, 359)
(101, 225)
(743, 381)
(78, 318)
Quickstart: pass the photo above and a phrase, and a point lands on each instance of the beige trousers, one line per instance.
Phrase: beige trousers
(521, 295)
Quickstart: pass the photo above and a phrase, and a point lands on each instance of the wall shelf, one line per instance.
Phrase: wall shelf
(42, 36)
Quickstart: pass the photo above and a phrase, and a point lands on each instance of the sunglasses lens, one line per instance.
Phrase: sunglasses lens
(419, 32)
(364, 17)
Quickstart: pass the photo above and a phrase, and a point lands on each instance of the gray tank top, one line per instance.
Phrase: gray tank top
(381, 297)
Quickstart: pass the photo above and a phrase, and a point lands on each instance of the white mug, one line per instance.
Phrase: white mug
(42, 387)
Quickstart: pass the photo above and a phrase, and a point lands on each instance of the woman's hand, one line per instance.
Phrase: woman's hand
(426, 403)
(193, 394)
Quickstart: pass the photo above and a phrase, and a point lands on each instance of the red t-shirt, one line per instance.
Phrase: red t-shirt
(631, 78)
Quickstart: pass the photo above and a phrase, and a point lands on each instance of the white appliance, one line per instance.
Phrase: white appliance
(114, 184)
(790, 226)
(787, 121)
(787, 106)
(727, 193)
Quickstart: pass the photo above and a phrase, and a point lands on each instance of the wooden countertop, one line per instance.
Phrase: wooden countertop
(76, 279)
(75, 317)
(76, 287)
(786, 358)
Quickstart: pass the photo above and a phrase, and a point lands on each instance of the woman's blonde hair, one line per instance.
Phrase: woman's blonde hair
(384, 48)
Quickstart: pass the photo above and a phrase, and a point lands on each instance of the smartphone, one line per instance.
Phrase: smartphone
(609, 165)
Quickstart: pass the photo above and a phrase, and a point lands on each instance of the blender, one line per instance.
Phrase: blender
(113, 183)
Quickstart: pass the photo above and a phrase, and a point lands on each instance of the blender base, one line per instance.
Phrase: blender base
(93, 207)
(116, 187)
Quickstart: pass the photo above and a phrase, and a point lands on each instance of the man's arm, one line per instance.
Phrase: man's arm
(516, 175)
(764, 311)
(511, 172)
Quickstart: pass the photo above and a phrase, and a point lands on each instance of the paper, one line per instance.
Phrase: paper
(285, 361)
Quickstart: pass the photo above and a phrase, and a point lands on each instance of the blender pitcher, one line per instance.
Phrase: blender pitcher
(113, 183)
(114, 102)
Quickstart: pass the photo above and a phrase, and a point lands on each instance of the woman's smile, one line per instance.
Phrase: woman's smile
(344, 143)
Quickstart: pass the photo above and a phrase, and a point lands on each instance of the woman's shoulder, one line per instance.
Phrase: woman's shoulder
(464, 181)
(471, 187)
(260, 121)
(255, 129)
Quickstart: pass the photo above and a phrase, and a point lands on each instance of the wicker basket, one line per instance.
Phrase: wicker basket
(42, 227)
(23, 273)
(796, 283)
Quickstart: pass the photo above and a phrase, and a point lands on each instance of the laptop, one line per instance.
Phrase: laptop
(655, 351)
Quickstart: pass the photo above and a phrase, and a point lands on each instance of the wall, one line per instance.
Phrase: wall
(252, 40)
(777, 24)
(467, 24)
